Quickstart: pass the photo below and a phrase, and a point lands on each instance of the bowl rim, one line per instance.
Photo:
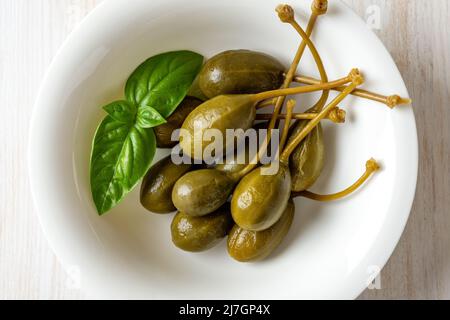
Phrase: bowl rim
(389, 246)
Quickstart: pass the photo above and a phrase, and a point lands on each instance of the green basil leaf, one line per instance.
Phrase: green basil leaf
(121, 111)
(148, 117)
(163, 80)
(121, 155)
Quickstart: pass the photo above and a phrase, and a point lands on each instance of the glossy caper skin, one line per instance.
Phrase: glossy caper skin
(240, 71)
(220, 113)
(157, 185)
(164, 132)
(308, 159)
(196, 92)
(196, 234)
(260, 198)
(248, 246)
(202, 192)
(232, 166)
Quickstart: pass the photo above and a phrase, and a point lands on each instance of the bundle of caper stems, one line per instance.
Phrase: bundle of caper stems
(235, 84)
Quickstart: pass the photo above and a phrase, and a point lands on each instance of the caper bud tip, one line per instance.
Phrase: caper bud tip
(356, 77)
(395, 100)
(285, 13)
(319, 7)
(337, 115)
(372, 165)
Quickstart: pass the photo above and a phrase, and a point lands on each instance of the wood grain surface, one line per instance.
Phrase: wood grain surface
(416, 32)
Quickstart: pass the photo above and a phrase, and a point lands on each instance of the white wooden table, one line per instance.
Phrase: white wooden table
(415, 31)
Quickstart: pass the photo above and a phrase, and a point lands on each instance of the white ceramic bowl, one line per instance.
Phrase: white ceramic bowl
(332, 249)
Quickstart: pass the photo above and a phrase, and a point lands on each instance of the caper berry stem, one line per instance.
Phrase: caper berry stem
(318, 7)
(299, 90)
(357, 79)
(371, 167)
(391, 101)
(320, 116)
(337, 115)
(289, 110)
(286, 14)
